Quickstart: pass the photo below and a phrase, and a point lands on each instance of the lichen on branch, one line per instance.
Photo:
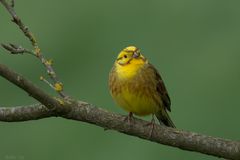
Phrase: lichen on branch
(68, 108)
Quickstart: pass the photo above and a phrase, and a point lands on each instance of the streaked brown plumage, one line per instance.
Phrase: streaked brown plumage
(137, 86)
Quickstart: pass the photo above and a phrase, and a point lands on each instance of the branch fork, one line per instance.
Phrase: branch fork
(65, 107)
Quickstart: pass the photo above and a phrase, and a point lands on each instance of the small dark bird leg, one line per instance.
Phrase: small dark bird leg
(129, 118)
(151, 124)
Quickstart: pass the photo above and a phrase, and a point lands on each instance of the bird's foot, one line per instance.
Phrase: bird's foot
(129, 118)
(152, 126)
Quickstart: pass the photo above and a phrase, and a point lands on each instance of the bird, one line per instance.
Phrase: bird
(137, 87)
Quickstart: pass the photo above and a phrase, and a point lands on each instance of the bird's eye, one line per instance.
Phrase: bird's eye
(125, 56)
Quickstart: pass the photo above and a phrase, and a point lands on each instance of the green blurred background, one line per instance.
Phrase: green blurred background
(194, 44)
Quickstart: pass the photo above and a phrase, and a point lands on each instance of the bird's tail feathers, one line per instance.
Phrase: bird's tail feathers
(164, 118)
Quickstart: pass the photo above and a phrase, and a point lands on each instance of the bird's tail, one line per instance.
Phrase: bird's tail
(164, 118)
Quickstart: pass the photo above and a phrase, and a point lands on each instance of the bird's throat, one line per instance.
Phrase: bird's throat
(128, 71)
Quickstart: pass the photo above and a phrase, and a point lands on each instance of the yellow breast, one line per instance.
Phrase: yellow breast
(130, 70)
(131, 95)
(136, 103)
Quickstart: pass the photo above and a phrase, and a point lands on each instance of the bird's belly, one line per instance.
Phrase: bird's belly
(136, 103)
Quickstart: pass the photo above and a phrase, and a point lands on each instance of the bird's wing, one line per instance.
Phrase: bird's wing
(161, 89)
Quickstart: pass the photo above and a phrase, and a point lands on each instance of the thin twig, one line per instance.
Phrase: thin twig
(35, 92)
(15, 49)
(37, 52)
(81, 111)
(12, 3)
(46, 81)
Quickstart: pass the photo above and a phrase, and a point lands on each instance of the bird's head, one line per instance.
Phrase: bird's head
(130, 55)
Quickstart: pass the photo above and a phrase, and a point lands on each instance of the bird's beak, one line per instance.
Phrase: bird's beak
(120, 62)
(124, 63)
(135, 56)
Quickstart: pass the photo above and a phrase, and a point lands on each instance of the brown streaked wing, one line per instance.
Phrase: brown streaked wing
(161, 89)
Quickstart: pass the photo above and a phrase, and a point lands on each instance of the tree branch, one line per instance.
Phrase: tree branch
(24, 113)
(81, 111)
(85, 112)
(17, 79)
(15, 49)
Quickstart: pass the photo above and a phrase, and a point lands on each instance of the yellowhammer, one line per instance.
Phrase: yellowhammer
(138, 88)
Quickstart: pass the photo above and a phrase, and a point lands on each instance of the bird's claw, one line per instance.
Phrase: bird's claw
(129, 118)
(152, 126)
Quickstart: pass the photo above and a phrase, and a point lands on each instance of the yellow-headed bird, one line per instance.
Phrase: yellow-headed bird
(138, 88)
